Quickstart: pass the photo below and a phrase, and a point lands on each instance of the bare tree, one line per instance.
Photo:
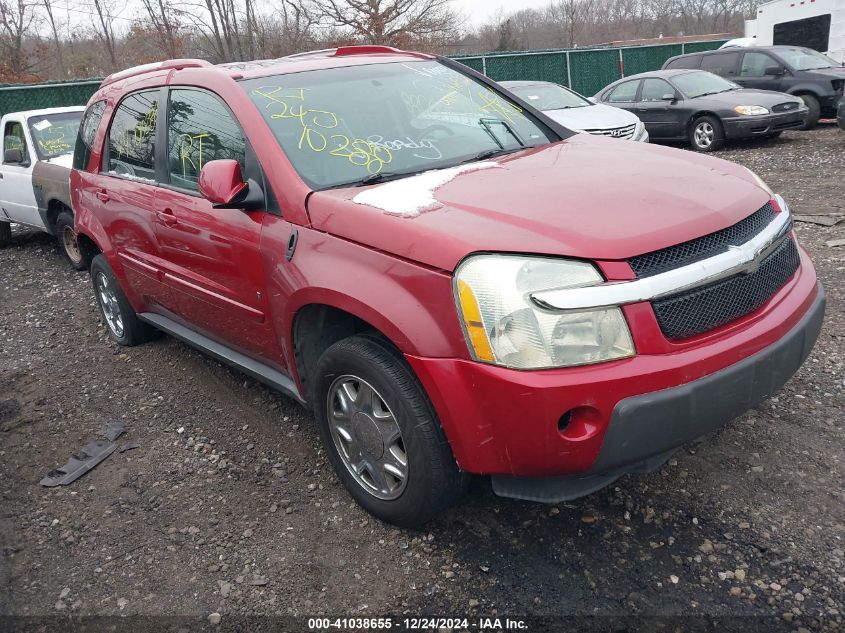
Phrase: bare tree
(387, 21)
(105, 32)
(164, 20)
(48, 7)
(16, 19)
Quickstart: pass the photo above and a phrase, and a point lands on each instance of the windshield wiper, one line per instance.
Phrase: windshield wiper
(486, 123)
(491, 153)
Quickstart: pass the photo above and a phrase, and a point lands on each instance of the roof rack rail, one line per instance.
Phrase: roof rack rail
(363, 49)
(174, 64)
(374, 49)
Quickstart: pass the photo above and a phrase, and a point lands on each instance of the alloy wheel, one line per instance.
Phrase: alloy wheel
(704, 135)
(110, 306)
(367, 437)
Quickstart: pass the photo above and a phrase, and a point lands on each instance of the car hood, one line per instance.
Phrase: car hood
(750, 96)
(592, 117)
(588, 197)
(837, 72)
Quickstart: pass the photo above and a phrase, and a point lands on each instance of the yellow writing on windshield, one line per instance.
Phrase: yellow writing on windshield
(317, 126)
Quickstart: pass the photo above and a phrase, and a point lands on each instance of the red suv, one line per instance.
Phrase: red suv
(453, 282)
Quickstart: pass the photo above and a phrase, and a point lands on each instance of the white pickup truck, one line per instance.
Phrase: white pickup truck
(35, 174)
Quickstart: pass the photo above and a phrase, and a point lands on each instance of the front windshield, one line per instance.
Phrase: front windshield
(341, 125)
(54, 134)
(698, 84)
(805, 59)
(549, 96)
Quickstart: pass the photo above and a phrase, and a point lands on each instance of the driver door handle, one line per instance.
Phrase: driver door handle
(166, 217)
(102, 195)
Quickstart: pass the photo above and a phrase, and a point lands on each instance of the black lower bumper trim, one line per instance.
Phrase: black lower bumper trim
(644, 430)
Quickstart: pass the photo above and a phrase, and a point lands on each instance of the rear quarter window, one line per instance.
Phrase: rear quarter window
(87, 131)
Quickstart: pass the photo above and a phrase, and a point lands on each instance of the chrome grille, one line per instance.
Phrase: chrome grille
(702, 309)
(626, 131)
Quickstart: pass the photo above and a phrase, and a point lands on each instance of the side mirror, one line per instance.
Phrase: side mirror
(669, 97)
(774, 70)
(13, 156)
(222, 184)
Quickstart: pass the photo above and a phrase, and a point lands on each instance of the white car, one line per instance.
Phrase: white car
(35, 175)
(578, 113)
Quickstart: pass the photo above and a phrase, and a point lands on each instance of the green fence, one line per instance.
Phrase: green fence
(54, 94)
(584, 70)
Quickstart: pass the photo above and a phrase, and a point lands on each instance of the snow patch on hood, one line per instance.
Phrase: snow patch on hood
(409, 197)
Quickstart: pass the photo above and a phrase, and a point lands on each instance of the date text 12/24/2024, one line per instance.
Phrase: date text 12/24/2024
(456, 625)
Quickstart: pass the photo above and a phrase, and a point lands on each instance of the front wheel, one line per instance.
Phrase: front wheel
(815, 111)
(706, 134)
(381, 433)
(66, 234)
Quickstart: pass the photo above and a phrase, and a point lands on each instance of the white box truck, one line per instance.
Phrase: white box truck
(816, 24)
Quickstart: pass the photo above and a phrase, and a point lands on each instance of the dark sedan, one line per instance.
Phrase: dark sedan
(702, 108)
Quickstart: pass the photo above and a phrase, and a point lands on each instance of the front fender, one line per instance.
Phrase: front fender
(410, 304)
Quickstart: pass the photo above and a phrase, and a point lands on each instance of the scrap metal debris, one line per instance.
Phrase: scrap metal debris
(831, 219)
(128, 447)
(80, 463)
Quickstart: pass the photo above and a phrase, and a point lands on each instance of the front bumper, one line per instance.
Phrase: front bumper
(645, 430)
(553, 423)
(748, 126)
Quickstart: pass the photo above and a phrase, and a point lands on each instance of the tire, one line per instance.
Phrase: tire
(815, 111)
(66, 234)
(368, 379)
(5, 234)
(706, 134)
(776, 134)
(123, 325)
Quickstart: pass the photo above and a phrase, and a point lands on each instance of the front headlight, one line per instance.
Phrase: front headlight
(750, 110)
(505, 327)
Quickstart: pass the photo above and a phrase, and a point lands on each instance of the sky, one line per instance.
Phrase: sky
(478, 11)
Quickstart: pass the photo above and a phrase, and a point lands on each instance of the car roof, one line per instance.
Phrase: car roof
(45, 111)
(662, 74)
(312, 60)
(737, 49)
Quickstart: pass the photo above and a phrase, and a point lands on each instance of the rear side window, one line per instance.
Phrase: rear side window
(13, 138)
(624, 93)
(87, 130)
(723, 64)
(688, 61)
(131, 150)
(200, 128)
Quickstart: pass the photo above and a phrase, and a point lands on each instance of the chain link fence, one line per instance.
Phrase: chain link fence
(584, 70)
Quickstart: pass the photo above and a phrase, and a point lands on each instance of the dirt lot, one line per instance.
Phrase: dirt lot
(229, 506)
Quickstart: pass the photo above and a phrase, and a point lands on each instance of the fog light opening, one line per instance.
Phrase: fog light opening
(563, 422)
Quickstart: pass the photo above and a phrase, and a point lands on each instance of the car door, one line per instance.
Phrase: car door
(725, 64)
(211, 257)
(123, 191)
(657, 107)
(17, 197)
(755, 71)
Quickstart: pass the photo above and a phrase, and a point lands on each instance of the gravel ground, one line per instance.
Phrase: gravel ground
(229, 506)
